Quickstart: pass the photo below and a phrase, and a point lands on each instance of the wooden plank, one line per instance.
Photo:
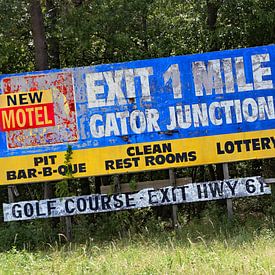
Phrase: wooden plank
(117, 186)
(172, 178)
(125, 188)
(156, 184)
(10, 194)
(229, 204)
(69, 231)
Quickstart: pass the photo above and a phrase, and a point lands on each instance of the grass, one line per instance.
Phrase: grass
(145, 256)
(205, 246)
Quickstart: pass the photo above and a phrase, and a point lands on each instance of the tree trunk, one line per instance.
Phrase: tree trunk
(39, 37)
(53, 42)
(212, 15)
(85, 186)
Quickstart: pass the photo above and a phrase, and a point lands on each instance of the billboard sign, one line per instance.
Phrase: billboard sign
(143, 115)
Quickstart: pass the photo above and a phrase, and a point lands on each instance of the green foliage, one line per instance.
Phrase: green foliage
(62, 187)
(67, 161)
(133, 184)
(105, 31)
(28, 235)
(205, 246)
(15, 43)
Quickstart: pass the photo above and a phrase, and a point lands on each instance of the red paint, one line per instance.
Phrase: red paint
(26, 117)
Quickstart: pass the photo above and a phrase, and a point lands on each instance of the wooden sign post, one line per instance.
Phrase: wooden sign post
(228, 201)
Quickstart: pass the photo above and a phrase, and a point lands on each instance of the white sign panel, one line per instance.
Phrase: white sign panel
(194, 192)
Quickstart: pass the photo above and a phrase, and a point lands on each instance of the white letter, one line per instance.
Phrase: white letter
(253, 108)
(259, 71)
(209, 78)
(241, 79)
(173, 73)
(138, 126)
(173, 123)
(227, 110)
(144, 74)
(228, 75)
(130, 83)
(152, 116)
(184, 118)
(212, 113)
(200, 115)
(93, 90)
(113, 80)
(111, 125)
(123, 122)
(238, 111)
(267, 108)
(97, 132)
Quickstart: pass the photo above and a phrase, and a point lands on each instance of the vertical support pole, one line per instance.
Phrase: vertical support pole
(68, 221)
(69, 234)
(11, 200)
(174, 207)
(272, 187)
(228, 201)
(117, 184)
(10, 194)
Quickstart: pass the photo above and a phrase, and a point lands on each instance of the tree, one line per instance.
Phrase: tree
(39, 37)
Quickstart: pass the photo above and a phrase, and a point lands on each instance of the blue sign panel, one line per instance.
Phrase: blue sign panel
(158, 100)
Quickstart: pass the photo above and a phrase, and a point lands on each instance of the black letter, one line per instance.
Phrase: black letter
(66, 206)
(38, 210)
(219, 151)
(128, 200)
(16, 213)
(105, 204)
(118, 202)
(28, 209)
(164, 195)
(78, 204)
(129, 153)
(50, 207)
(199, 187)
(151, 196)
(11, 175)
(109, 164)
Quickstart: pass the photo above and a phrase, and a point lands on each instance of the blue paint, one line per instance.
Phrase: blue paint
(162, 97)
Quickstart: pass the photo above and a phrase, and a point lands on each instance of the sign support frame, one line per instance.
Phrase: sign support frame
(228, 201)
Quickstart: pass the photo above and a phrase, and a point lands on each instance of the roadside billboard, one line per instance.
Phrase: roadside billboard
(143, 115)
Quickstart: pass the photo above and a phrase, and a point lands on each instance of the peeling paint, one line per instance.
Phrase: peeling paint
(65, 129)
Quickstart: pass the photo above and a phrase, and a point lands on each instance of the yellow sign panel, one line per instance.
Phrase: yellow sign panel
(19, 111)
(139, 157)
(26, 98)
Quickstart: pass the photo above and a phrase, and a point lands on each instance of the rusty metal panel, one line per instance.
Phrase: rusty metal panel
(141, 115)
(192, 192)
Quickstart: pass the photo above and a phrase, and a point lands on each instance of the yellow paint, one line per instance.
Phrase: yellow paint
(94, 159)
(24, 98)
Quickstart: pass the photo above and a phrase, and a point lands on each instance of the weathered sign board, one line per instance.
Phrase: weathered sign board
(193, 192)
(143, 115)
